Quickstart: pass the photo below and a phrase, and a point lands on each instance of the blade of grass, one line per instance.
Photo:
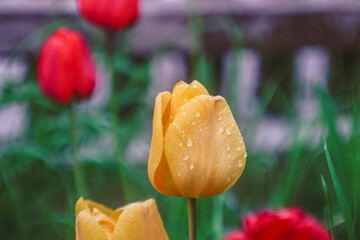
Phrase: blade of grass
(356, 201)
(340, 196)
(329, 206)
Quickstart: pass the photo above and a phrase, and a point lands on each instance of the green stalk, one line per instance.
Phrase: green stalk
(110, 48)
(78, 173)
(192, 218)
(195, 28)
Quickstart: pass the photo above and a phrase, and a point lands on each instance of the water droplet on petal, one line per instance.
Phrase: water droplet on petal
(184, 113)
(229, 166)
(245, 154)
(228, 155)
(191, 165)
(200, 129)
(228, 131)
(193, 122)
(221, 129)
(186, 157)
(180, 144)
(179, 175)
(197, 114)
(228, 147)
(189, 142)
(194, 85)
(181, 107)
(220, 118)
(240, 163)
(238, 148)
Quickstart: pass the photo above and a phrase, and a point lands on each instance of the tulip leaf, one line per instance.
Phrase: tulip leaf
(329, 206)
(340, 195)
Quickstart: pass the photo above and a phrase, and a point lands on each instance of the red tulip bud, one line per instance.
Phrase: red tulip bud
(284, 224)
(65, 68)
(112, 14)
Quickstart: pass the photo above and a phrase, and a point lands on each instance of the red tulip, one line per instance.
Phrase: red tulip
(66, 69)
(112, 14)
(285, 224)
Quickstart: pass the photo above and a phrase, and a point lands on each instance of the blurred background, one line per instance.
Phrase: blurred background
(290, 71)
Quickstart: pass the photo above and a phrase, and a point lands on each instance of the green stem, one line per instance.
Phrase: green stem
(78, 173)
(195, 28)
(192, 218)
(110, 48)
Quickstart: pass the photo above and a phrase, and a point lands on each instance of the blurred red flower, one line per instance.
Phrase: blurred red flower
(284, 224)
(112, 14)
(65, 68)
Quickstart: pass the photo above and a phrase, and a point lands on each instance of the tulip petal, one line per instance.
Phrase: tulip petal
(81, 206)
(87, 228)
(107, 211)
(183, 92)
(204, 148)
(140, 221)
(158, 169)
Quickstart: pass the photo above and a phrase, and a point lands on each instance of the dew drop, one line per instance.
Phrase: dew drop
(179, 175)
(238, 148)
(182, 107)
(200, 129)
(228, 155)
(180, 144)
(186, 157)
(220, 118)
(197, 114)
(228, 147)
(183, 113)
(245, 154)
(193, 122)
(229, 166)
(221, 129)
(191, 165)
(240, 163)
(189, 142)
(228, 131)
(194, 85)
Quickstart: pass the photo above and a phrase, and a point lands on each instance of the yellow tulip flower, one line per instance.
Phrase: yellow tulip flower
(136, 221)
(197, 150)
